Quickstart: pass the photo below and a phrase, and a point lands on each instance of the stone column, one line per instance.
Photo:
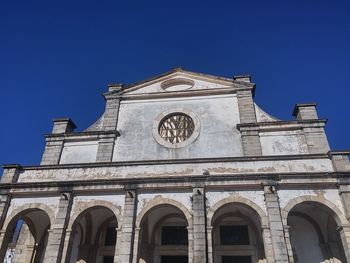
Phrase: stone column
(136, 245)
(190, 244)
(117, 245)
(268, 248)
(210, 244)
(199, 225)
(67, 246)
(57, 232)
(275, 223)
(289, 244)
(128, 227)
(55, 141)
(3, 241)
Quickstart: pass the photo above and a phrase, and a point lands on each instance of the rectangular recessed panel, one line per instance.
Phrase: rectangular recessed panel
(234, 235)
(111, 236)
(174, 235)
(174, 259)
(236, 259)
(108, 259)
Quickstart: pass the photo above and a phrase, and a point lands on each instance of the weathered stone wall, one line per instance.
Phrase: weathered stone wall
(217, 115)
(125, 171)
(265, 203)
(79, 152)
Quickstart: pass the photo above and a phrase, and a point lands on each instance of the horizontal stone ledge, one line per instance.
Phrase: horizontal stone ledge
(338, 152)
(181, 94)
(240, 181)
(280, 125)
(83, 133)
(179, 161)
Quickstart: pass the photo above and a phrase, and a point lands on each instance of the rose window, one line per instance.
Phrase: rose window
(176, 128)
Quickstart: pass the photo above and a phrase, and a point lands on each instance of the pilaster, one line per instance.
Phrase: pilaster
(268, 247)
(344, 193)
(106, 147)
(251, 141)
(344, 232)
(289, 244)
(340, 160)
(128, 227)
(55, 141)
(10, 173)
(199, 225)
(341, 163)
(249, 133)
(313, 128)
(57, 232)
(117, 245)
(210, 243)
(275, 222)
(53, 150)
(246, 106)
(110, 116)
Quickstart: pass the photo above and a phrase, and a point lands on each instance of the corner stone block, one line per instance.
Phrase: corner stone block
(63, 125)
(305, 111)
(10, 173)
(340, 160)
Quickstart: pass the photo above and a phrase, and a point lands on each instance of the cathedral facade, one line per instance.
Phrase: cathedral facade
(183, 167)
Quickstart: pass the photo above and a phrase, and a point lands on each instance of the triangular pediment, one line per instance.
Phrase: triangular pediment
(178, 80)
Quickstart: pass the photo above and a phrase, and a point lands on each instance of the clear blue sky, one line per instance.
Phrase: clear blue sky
(57, 57)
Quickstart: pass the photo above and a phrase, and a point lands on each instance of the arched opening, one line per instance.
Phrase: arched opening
(314, 234)
(163, 236)
(237, 235)
(93, 237)
(25, 238)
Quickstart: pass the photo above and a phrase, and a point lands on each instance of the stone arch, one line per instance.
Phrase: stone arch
(175, 210)
(158, 200)
(240, 200)
(339, 217)
(81, 208)
(20, 213)
(24, 208)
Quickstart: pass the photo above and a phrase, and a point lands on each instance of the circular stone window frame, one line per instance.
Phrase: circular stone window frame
(168, 113)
